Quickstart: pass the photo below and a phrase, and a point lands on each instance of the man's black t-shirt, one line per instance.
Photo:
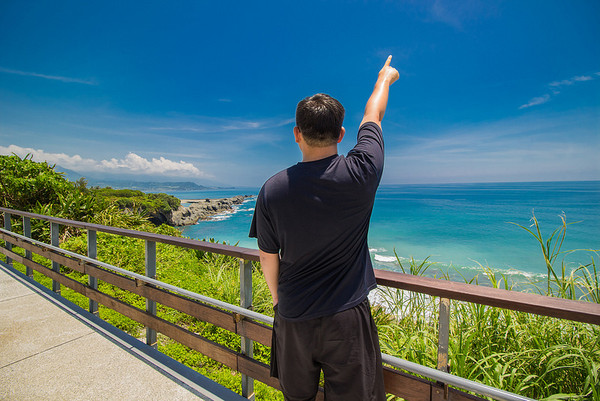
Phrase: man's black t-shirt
(316, 215)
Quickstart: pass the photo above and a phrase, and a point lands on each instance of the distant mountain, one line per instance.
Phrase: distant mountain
(148, 186)
(128, 183)
(69, 174)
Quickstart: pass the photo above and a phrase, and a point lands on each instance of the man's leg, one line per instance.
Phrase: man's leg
(297, 371)
(351, 357)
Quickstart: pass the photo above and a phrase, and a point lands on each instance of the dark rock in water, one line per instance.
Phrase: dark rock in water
(202, 210)
(159, 218)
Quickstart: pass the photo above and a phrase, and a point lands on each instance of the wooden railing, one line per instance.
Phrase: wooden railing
(249, 325)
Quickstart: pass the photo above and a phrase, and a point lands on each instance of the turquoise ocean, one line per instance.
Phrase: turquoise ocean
(458, 227)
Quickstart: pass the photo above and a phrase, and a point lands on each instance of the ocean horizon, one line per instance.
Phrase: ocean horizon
(458, 228)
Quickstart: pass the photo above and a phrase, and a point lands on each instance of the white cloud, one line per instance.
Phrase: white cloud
(582, 78)
(198, 124)
(131, 163)
(135, 163)
(554, 88)
(527, 148)
(571, 81)
(564, 82)
(441, 12)
(536, 101)
(51, 77)
(457, 13)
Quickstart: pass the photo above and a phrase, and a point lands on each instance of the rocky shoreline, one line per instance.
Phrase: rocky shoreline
(202, 209)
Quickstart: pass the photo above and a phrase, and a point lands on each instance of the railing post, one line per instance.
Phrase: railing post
(443, 334)
(92, 251)
(8, 227)
(28, 254)
(151, 338)
(54, 240)
(246, 343)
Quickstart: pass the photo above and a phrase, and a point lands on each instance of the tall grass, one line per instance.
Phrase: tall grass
(580, 283)
(535, 356)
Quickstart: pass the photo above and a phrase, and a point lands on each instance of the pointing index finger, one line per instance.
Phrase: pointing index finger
(388, 61)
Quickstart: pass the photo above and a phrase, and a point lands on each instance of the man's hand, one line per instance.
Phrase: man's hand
(388, 73)
(377, 103)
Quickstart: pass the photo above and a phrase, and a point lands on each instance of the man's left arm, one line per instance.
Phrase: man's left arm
(270, 267)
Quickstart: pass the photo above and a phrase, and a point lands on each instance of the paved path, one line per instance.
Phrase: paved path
(50, 349)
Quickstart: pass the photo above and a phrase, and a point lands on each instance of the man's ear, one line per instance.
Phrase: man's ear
(342, 132)
(297, 134)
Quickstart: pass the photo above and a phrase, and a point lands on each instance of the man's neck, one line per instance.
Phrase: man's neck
(311, 154)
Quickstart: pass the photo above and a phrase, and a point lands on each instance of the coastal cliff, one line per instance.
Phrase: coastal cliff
(201, 209)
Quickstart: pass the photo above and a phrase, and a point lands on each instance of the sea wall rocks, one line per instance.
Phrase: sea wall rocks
(202, 209)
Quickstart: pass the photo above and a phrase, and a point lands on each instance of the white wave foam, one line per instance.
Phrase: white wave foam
(221, 217)
(226, 215)
(373, 250)
(385, 259)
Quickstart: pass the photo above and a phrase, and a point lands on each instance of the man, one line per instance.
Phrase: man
(311, 221)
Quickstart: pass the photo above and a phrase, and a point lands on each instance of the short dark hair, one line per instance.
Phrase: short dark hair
(319, 118)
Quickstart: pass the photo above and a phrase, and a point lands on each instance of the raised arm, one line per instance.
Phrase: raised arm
(377, 103)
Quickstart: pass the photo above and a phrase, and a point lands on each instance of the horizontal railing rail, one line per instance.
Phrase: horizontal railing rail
(51, 251)
(228, 250)
(578, 311)
(585, 312)
(252, 326)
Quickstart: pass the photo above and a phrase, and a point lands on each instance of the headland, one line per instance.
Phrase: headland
(202, 209)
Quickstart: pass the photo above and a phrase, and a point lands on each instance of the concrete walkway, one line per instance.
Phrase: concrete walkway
(51, 349)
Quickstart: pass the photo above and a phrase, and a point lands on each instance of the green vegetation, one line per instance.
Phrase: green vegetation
(37, 188)
(148, 204)
(536, 356)
(25, 183)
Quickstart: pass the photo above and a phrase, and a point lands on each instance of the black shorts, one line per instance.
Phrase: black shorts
(345, 346)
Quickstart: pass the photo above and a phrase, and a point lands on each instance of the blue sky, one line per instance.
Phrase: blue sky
(206, 91)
